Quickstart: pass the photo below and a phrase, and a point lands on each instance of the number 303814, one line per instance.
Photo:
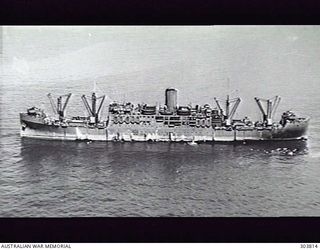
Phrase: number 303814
(308, 245)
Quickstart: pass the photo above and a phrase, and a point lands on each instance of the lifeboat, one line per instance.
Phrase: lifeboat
(127, 120)
(203, 123)
(197, 123)
(208, 123)
(137, 120)
(131, 119)
(121, 119)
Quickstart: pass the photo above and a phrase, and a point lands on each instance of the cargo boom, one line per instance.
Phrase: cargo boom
(127, 122)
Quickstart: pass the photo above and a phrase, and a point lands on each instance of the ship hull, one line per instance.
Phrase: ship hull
(34, 127)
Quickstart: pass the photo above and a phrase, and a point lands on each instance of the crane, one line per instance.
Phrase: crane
(92, 110)
(270, 110)
(60, 108)
(218, 105)
(228, 114)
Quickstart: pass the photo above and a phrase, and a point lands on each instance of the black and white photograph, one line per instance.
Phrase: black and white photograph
(160, 121)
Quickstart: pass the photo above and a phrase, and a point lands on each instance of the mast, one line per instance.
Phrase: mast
(66, 102)
(100, 106)
(86, 104)
(229, 113)
(275, 107)
(94, 104)
(53, 105)
(235, 107)
(258, 101)
(60, 108)
(218, 105)
(227, 106)
(93, 111)
(272, 105)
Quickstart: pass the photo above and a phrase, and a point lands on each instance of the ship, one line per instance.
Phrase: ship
(170, 122)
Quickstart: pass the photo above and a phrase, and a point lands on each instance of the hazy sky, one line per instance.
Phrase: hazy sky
(77, 52)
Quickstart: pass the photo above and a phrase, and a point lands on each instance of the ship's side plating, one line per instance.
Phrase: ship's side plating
(33, 127)
(126, 122)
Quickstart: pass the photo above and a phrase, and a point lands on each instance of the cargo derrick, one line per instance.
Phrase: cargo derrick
(93, 111)
(270, 110)
(60, 108)
(228, 115)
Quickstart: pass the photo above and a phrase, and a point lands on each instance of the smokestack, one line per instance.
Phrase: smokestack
(171, 99)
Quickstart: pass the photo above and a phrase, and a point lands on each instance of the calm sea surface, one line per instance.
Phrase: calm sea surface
(68, 179)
